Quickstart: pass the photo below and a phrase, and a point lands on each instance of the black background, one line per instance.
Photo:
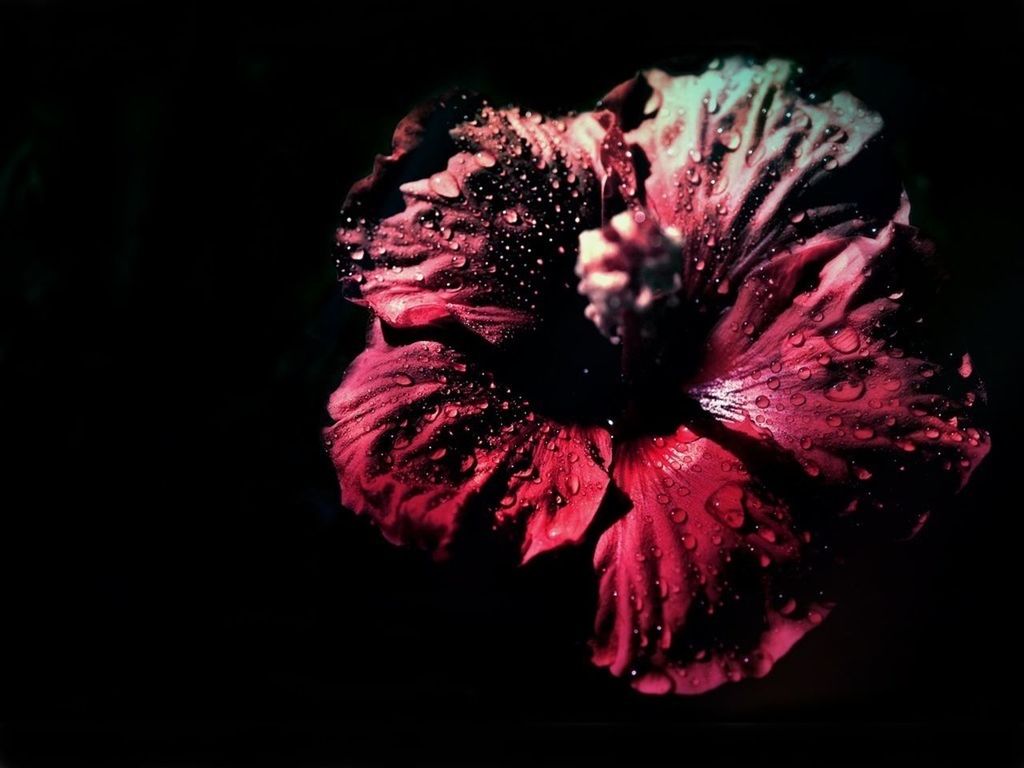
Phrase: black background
(180, 586)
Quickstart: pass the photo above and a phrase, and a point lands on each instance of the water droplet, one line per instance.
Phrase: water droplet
(510, 216)
(445, 184)
(797, 399)
(726, 504)
(485, 158)
(892, 385)
(730, 140)
(762, 401)
(439, 454)
(845, 340)
(403, 379)
(863, 433)
(678, 515)
(845, 391)
(574, 485)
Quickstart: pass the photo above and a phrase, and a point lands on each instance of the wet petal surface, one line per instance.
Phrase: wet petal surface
(720, 270)
(705, 580)
(422, 435)
(472, 219)
(742, 164)
(833, 378)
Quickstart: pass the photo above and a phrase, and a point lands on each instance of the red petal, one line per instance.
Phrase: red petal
(741, 166)
(702, 581)
(832, 375)
(472, 219)
(422, 434)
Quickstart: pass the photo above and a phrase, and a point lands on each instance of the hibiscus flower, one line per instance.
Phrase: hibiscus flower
(685, 324)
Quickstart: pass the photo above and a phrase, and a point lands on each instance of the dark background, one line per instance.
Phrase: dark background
(180, 586)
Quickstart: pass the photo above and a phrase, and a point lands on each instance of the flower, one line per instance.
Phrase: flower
(694, 309)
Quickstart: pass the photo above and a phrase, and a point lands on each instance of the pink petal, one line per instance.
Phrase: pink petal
(423, 434)
(741, 166)
(832, 375)
(703, 581)
(472, 219)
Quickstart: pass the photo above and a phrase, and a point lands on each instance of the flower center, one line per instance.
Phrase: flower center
(630, 271)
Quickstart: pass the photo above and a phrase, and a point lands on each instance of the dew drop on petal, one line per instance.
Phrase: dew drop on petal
(445, 185)
(845, 340)
(726, 504)
(485, 158)
(845, 391)
(863, 433)
(730, 140)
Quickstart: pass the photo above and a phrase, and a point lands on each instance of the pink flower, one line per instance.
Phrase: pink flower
(695, 309)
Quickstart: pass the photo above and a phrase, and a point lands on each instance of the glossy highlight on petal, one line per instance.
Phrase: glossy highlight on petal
(827, 379)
